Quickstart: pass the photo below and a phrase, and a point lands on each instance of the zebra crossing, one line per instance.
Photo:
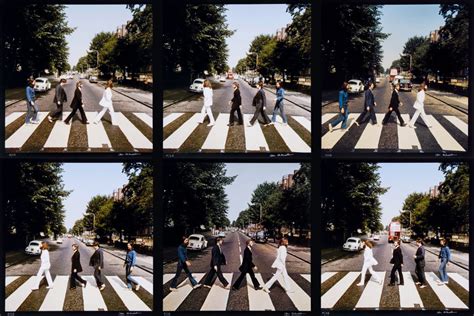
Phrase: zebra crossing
(335, 285)
(132, 133)
(56, 298)
(219, 298)
(295, 136)
(447, 134)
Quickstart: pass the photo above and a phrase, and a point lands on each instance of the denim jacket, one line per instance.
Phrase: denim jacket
(343, 98)
(280, 94)
(131, 258)
(444, 253)
(30, 94)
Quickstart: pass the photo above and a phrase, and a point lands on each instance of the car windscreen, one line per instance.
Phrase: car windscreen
(404, 81)
(353, 82)
(352, 240)
(198, 81)
(39, 80)
(34, 244)
(193, 238)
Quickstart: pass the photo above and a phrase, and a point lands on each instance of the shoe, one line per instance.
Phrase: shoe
(95, 122)
(356, 123)
(404, 124)
(210, 124)
(137, 288)
(360, 284)
(265, 289)
(84, 284)
(129, 288)
(173, 289)
(207, 286)
(330, 128)
(50, 119)
(271, 123)
(446, 282)
(102, 287)
(441, 283)
(227, 287)
(34, 122)
(259, 288)
(86, 122)
(49, 287)
(401, 284)
(230, 124)
(411, 126)
(35, 289)
(249, 125)
(67, 123)
(423, 286)
(234, 288)
(417, 283)
(197, 286)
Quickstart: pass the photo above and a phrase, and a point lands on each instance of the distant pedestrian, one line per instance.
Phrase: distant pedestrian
(236, 105)
(247, 266)
(77, 104)
(420, 263)
(279, 104)
(44, 268)
(60, 98)
(217, 260)
(129, 265)
(31, 107)
(183, 264)
(394, 105)
(419, 107)
(260, 104)
(97, 261)
(76, 268)
(369, 261)
(397, 261)
(343, 109)
(106, 103)
(207, 107)
(444, 258)
(369, 106)
(280, 265)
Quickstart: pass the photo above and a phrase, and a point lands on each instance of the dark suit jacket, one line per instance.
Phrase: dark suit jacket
(420, 256)
(397, 257)
(394, 100)
(260, 99)
(60, 95)
(236, 100)
(77, 100)
(369, 98)
(76, 262)
(97, 259)
(218, 257)
(247, 261)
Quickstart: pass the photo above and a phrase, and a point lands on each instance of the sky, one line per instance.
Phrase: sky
(249, 21)
(403, 22)
(90, 20)
(87, 180)
(403, 179)
(249, 176)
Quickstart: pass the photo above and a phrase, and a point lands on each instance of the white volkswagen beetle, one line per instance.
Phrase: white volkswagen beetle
(197, 242)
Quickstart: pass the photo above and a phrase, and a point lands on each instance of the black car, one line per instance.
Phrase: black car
(261, 237)
(405, 85)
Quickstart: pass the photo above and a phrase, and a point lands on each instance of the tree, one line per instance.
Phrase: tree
(299, 36)
(241, 66)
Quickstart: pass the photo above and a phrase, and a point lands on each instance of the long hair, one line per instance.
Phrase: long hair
(44, 245)
(283, 242)
(368, 243)
(207, 84)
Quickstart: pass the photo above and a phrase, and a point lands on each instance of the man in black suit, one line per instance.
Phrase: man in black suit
(397, 261)
(217, 260)
(393, 107)
(420, 263)
(76, 268)
(247, 266)
(97, 261)
(369, 106)
(236, 104)
(260, 104)
(60, 97)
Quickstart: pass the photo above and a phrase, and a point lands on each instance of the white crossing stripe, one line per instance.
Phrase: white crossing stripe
(217, 137)
(459, 280)
(258, 300)
(291, 138)
(54, 300)
(370, 298)
(254, 138)
(326, 276)
(96, 135)
(409, 296)
(92, 296)
(217, 298)
(444, 139)
(144, 283)
(300, 299)
(172, 301)
(371, 135)
(175, 140)
(10, 279)
(59, 136)
(130, 299)
(13, 117)
(167, 277)
(307, 277)
(458, 123)
(407, 138)
(14, 301)
(332, 296)
(170, 118)
(331, 139)
(145, 118)
(303, 121)
(445, 295)
(133, 134)
(19, 138)
(326, 117)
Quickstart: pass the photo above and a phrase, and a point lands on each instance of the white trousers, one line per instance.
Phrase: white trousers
(420, 112)
(101, 113)
(366, 267)
(39, 276)
(278, 273)
(206, 110)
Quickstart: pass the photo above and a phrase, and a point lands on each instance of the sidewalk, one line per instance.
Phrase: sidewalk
(299, 98)
(331, 254)
(171, 96)
(457, 256)
(303, 253)
(137, 94)
(450, 98)
(143, 261)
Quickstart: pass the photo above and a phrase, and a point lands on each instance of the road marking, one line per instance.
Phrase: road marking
(291, 138)
(303, 121)
(371, 135)
(330, 139)
(307, 277)
(13, 117)
(144, 283)
(407, 138)
(19, 138)
(331, 297)
(326, 117)
(133, 134)
(10, 279)
(54, 300)
(370, 298)
(173, 300)
(409, 296)
(147, 119)
(460, 280)
(444, 139)
(217, 298)
(254, 138)
(96, 135)
(458, 123)
(167, 278)
(175, 140)
(259, 300)
(170, 118)
(300, 299)
(14, 301)
(59, 136)
(91, 296)
(445, 295)
(130, 299)
(326, 276)
(217, 137)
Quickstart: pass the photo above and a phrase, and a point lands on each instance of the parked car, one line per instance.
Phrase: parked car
(352, 244)
(405, 85)
(197, 242)
(89, 242)
(82, 76)
(59, 240)
(221, 234)
(377, 80)
(405, 238)
(197, 85)
(33, 248)
(376, 237)
(42, 84)
(93, 79)
(261, 237)
(355, 86)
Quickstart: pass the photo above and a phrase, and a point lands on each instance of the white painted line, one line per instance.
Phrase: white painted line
(170, 118)
(96, 135)
(370, 298)
(13, 117)
(167, 277)
(291, 138)
(175, 140)
(217, 137)
(144, 283)
(254, 138)
(326, 276)
(331, 297)
(217, 298)
(14, 301)
(59, 136)
(303, 121)
(407, 138)
(10, 279)
(130, 299)
(442, 136)
(22, 134)
(326, 117)
(300, 299)
(445, 295)
(147, 119)
(172, 301)
(259, 300)
(460, 280)
(409, 296)
(307, 277)
(54, 300)
(133, 134)
(330, 139)
(371, 135)
(91, 296)
(458, 123)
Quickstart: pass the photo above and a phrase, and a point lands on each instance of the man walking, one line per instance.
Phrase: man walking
(183, 264)
(393, 107)
(97, 261)
(260, 104)
(217, 260)
(60, 97)
(397, 261)
(129, 264)
(247, 266)
(369, 106)
(420, 263)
